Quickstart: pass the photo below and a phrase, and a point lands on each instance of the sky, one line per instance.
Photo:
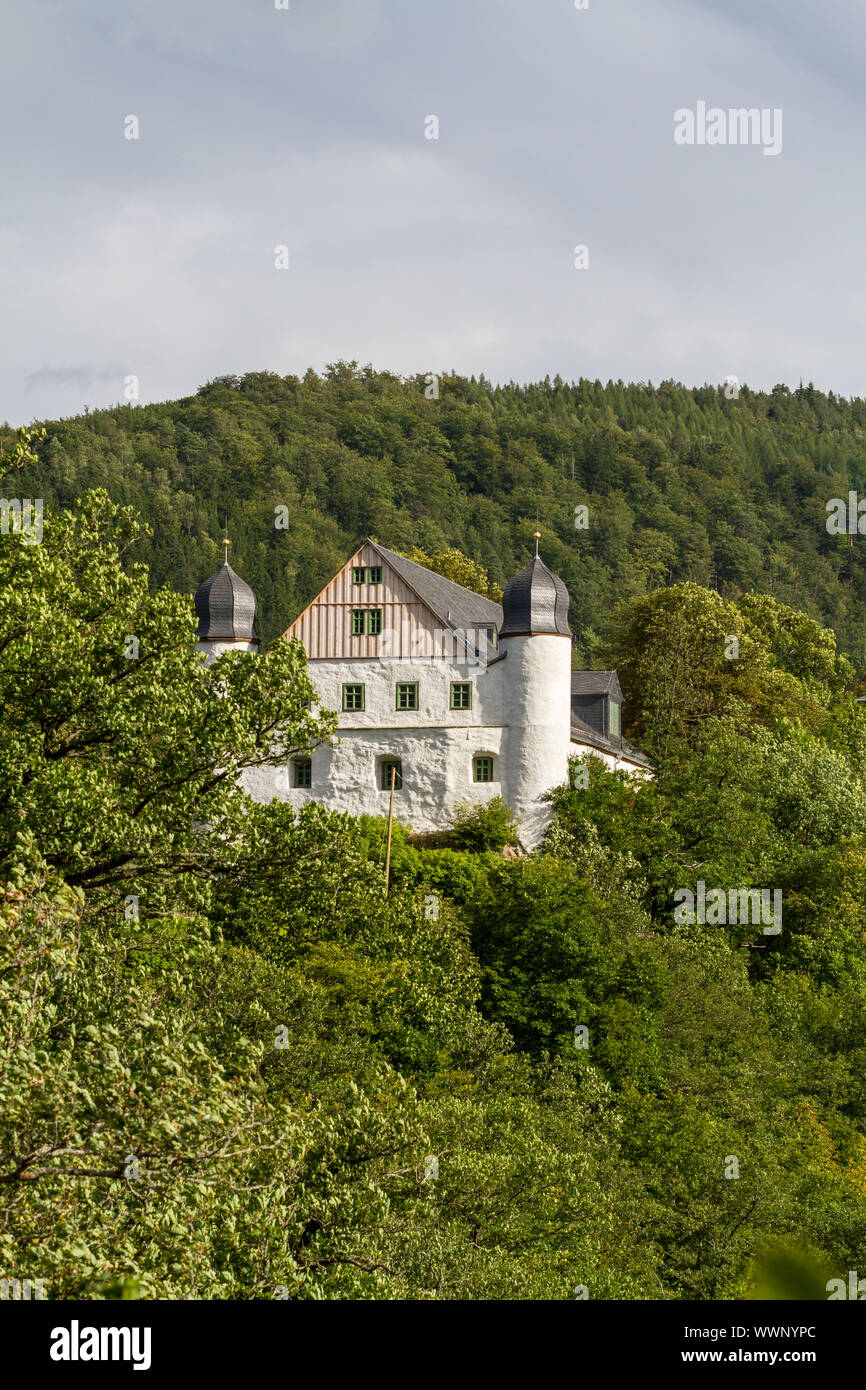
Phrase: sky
(139, 268)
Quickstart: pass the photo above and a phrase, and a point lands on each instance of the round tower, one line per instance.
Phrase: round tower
(537, 677)
(226, 608)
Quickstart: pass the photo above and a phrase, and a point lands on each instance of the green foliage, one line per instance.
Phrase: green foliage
(682, 485)
(457, 567)
(686, 658)
(489, 825)
(230, 1065)
(23, 450)
(550, 950)
(121, 1133)
(122, 748)
(782, 1272)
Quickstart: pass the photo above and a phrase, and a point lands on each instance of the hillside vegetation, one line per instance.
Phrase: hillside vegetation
(231, 1067)
(681, 484)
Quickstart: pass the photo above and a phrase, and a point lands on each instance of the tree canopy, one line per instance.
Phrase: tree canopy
(231, 1067)
(681, 485)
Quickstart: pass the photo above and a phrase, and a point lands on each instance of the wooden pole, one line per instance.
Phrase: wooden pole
(390, 822)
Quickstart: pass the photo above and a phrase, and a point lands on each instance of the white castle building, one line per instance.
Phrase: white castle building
(453, 697)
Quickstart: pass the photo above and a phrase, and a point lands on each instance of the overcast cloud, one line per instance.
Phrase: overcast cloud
(306, 127)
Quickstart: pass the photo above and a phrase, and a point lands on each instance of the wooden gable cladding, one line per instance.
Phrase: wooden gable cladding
(325, 626)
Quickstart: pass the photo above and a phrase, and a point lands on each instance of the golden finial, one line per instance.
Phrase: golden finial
(537, 537)
(226, 543)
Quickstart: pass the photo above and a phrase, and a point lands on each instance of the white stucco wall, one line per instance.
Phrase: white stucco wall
(520, 715)
(437, 774)
(537, 711)
(214, 649)
(435, 744)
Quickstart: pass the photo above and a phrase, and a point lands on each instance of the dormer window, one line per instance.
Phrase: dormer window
(596, 702)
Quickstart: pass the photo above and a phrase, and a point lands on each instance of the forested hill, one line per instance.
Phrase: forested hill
(680, 484)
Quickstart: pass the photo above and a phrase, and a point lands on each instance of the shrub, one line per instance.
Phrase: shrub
(486, 826)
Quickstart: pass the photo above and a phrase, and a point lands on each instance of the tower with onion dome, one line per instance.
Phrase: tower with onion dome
(536, 639)
(226, 608)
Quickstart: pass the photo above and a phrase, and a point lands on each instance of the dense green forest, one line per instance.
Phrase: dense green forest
(681, 484)
(232, 1067)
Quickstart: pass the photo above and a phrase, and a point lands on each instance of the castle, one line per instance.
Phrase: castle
(442, 693)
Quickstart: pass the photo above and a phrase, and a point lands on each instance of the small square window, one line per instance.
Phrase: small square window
(374, 574)
(374, 621)
(407, 695)
(303, 772)
(385, 768)
(461, 694)
(359, 574)
(482, 768)
(353, 697)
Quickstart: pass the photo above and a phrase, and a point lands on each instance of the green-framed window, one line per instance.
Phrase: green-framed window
(407, 694)
(461, 694)
(374, 574)
(366, 622)
(303, 772)
(385, 774)
(359, 574)
(615, 721)
(482, 768)
(366, 574)
(353, 697)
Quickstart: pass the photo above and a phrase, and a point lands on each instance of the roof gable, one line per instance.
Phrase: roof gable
(414, 606)
(453, 605)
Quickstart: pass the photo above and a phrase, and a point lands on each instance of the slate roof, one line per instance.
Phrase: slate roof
(596, 683)
(535, 602)
(455, 606)
(226, 608)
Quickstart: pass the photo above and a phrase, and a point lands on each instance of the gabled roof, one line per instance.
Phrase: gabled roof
(596, 683)
(453, 605)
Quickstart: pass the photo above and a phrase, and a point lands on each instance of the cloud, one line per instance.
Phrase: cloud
(76, 378)
(305, 127)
